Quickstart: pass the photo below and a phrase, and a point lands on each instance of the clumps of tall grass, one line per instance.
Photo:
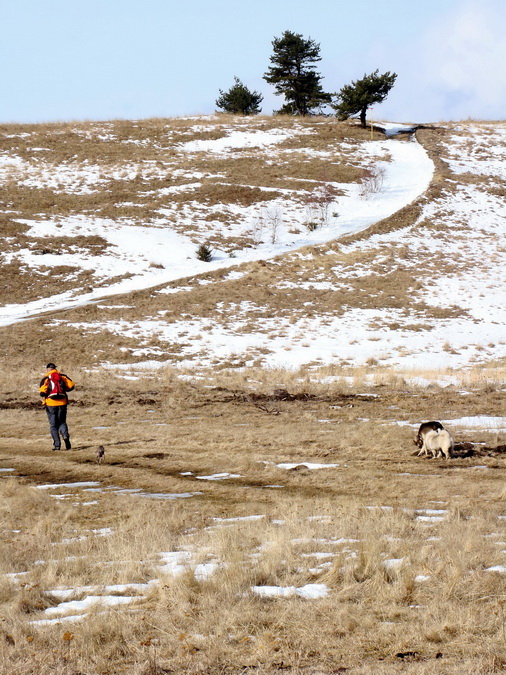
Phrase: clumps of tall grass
(33, 522)
(396, 583)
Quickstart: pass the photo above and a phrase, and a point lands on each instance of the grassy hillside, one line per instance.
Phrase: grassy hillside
(94, 210)
(261, 507)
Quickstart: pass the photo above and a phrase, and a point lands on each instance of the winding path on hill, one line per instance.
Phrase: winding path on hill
(407, 176)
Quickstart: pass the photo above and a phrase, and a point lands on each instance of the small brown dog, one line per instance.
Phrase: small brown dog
(100, 454)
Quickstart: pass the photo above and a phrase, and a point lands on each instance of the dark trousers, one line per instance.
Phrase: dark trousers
(57, 416)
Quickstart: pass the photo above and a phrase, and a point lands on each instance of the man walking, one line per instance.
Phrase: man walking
(53, 389)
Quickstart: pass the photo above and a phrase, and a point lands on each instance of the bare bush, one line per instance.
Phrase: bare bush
(274, 218)
(372, 180)
(319, 205)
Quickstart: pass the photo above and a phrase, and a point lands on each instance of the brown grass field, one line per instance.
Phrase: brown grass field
(409, 553)
(335, 526)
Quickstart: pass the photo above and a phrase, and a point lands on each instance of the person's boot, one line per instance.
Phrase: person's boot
(68, 445)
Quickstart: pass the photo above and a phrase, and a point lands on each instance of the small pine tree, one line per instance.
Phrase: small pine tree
(239, 100)
(293, 75)
(355, 98)
(204, 253)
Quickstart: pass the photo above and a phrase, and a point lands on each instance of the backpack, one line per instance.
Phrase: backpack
(56, 386)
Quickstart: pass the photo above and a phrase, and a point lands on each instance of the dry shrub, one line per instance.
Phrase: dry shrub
(372, 180)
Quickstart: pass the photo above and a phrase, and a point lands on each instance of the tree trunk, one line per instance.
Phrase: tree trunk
(363, 113)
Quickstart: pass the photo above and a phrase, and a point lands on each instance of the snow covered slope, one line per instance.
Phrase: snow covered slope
(156, 254)
(425, 293)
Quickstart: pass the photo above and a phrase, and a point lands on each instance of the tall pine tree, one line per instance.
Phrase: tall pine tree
(355, 98)
(239, 100)
(294, 76)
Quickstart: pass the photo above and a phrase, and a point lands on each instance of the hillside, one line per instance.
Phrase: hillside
(260, 507)
(329, 249)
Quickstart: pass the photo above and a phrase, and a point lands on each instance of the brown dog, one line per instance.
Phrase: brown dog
(100, 454)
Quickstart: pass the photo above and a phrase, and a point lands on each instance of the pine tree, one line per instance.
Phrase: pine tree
(239, 100)
(355, 98)
(293, 75)
(204, 253)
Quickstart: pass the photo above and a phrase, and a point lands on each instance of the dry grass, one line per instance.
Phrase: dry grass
(378, 618)
(162, 433)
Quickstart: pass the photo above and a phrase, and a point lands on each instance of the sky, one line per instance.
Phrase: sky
(65, 60)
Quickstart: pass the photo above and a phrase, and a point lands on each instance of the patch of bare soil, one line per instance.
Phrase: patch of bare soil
(470, 449)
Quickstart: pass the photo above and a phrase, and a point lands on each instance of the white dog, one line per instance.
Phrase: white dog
(436, 442)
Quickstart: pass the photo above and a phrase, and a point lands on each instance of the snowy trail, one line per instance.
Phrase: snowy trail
(134, 249)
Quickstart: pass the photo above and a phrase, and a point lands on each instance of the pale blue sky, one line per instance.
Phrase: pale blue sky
(104, 59)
